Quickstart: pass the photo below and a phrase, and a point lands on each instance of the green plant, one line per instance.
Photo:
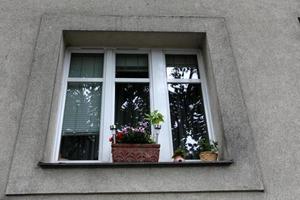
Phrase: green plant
(155, 117)
(179, 152)
(207, 145)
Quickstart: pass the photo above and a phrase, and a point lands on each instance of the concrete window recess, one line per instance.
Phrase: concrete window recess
(37, 136)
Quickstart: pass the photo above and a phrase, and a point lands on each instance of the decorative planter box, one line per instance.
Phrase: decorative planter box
(135, 152)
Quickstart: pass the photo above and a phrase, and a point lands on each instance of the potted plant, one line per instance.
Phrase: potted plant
(155, 118)
(179, 155)
(134, 145)
(208, 149)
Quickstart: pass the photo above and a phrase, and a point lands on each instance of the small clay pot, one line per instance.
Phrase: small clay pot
(208, 156)
(178, 159)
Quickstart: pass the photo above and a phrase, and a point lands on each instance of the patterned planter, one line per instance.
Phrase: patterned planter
(135, 152)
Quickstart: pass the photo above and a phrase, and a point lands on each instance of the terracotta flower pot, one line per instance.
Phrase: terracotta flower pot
(208, 156)
(135, 152)
(178, 159)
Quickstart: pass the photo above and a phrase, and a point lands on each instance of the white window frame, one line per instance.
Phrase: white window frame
(158, 89)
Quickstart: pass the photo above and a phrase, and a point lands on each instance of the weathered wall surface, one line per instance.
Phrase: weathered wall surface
(265, 38)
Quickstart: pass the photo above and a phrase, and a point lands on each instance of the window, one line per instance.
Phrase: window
(111, 86)
(188, 120)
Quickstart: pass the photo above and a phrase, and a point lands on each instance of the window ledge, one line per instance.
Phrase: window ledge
(130, 165)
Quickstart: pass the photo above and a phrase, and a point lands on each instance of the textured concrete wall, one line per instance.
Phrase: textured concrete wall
(27, 178)
(265, 39)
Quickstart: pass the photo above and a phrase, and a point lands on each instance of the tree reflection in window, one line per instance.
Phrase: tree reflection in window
(187, 117)
(182, 67)
(132, 102)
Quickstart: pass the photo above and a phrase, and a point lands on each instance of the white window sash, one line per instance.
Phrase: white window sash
(62, 99)
(205, 95)
(61, 106)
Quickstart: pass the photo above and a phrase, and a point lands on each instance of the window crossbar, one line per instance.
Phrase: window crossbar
(184, 81)
(85, 79)
(131, 80)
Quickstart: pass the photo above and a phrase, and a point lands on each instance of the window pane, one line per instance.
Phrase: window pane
(80, 147)
(187, 117)
(86, 65)
(182, 67)
(132, 102)
(81, 121)
(132, 66)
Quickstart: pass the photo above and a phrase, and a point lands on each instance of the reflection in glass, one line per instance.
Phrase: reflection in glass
(86, 65)
(187, 117)
(79, 147)
(132, 66)
(81, 123)
(182, 67)
(132, 102)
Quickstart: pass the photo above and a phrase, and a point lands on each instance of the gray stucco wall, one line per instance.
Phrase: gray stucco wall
(265, 40)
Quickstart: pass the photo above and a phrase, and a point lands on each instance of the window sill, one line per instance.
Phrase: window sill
(130, 165)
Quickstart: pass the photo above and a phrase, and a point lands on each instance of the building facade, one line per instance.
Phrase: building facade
(242, 85)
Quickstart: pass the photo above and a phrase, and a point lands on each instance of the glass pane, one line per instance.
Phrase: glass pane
(132, 66)
(182, 67)
(83, 147)
(81, 121)
(132, 102)
(86, 65)
(187, 117)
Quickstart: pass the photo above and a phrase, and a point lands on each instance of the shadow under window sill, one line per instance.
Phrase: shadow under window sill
(130, 165)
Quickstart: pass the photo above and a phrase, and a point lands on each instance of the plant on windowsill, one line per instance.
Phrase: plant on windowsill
(208, 149)
(179, 155)
(134, 144)
(155, 118)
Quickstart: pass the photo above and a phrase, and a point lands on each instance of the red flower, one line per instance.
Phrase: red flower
(119, 136)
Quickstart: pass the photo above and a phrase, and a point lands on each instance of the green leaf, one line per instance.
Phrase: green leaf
(154, 117)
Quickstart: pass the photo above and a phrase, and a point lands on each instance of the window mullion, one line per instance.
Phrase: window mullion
(107, 118)
(160, 102)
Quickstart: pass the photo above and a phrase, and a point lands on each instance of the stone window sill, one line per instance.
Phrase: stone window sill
(130, 165)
